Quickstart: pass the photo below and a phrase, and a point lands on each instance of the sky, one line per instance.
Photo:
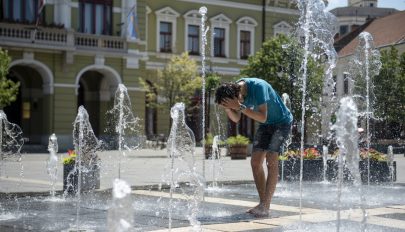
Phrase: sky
(397, 4)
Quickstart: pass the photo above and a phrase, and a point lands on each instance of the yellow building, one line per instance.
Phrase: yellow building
(78, 51)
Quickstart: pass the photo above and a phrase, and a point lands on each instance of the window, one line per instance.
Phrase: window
(192, 32)
(344, 29)
(371, 4)
(245, 37)
(194, 39)
(166, 24)
(165, 37)
(220, 35)
(20, 10)
(244, 44)
(219, 42)
(95, 16)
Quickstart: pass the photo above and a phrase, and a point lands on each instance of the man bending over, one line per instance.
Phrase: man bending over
(257, 99)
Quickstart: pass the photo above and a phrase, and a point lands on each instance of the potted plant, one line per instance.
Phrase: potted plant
(289, 165)
(90, 178)
(238, 146)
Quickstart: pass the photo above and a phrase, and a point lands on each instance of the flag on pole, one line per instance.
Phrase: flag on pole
(132, 24)
(41, 5)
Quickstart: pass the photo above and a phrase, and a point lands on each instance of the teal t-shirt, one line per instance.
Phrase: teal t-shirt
(259, 92)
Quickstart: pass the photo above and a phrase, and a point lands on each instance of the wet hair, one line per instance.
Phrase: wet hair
(226, 90)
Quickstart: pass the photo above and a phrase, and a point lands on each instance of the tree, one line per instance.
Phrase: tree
(177, 82)
(8, 88)
(389, 90)
(279, 62)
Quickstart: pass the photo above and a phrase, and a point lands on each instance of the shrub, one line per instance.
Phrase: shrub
(237, 140)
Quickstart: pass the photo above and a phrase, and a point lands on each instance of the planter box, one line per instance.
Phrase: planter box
(238, 151)
(379, 171)
(333, 169)
(89, 180)
(290, 170)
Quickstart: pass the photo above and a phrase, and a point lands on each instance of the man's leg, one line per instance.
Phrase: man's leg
(259, 176)
(272, 179)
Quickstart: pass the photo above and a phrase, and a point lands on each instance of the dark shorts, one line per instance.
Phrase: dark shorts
(271, 138)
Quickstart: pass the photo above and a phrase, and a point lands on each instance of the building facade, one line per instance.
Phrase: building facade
(386, 32)
(76, 52)
(357, 13)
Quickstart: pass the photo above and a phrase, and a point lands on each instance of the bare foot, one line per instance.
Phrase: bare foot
(254, 209)
(261, 211)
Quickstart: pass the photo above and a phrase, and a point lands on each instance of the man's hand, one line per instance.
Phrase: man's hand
(231, 103)
(231, 107)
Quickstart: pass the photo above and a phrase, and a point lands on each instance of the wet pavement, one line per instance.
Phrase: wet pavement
(25, 204)
(224, 209)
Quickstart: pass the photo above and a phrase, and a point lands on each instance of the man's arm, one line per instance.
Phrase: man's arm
(260, 115)
(234, 115)
(232, 109)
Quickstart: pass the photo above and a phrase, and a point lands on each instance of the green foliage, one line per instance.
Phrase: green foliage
(390, 87)
(237, 140)
(209, 139)
(269, 63)
(8, 88)
(177, 82)
(71, 159)
(373, 154)
(212, 82)
(278, 62)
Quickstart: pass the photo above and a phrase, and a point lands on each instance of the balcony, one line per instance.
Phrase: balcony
(17, 35)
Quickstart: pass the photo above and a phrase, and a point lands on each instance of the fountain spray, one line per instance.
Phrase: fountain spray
(181, 150)
(317, 27)
(52, 163)
(287, 102)
(390, 154)
(366, 64)
(11, 142)
(325, 152)
(120, 214)
(216, 161)
(347, 140)
(203, 12)
(123, 124)
(86, 144)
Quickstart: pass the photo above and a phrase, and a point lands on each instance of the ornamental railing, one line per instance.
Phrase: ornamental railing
(61, 39)
(99, 42)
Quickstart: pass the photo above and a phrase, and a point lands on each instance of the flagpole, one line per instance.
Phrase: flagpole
(41, 7)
